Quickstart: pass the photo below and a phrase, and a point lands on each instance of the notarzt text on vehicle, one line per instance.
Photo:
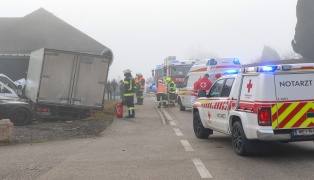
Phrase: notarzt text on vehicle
(295, 83)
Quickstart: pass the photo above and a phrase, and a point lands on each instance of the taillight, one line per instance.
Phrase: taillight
(43, 109)
(264, 116)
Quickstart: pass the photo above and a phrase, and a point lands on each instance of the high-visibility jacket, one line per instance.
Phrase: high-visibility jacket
(160, 88)
(140, 83)
(129, 84)
(171, 86)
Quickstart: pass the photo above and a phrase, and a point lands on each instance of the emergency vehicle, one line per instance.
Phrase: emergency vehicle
(176, 69)
(268, 103)
(157, 72)
(213, 67)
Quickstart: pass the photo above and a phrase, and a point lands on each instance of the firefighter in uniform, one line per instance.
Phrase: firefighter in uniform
(171, 90)
(161, 94)
(128, 96)
(140, 84)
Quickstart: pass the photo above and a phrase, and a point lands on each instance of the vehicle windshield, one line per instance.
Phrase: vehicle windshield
(158, 73)
(180, 71)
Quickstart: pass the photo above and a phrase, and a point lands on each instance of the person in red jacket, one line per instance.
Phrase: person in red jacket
(202, 85)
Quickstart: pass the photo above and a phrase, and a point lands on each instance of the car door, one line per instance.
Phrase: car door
(212, 103)
(223, 105)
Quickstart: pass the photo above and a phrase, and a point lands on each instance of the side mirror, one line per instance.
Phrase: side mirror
(153, 73)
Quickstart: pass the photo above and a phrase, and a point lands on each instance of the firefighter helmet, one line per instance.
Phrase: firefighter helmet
(127, 71)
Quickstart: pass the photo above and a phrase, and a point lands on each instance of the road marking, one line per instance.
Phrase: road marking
(161, 116)
(187, 145)
(201, 168)
(166, 114)
(177, 131)
(172, 123)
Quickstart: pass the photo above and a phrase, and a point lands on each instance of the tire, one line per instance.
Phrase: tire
(239, 140)
(199, 130)
(82, 114)
(182, 108)
(21, 117)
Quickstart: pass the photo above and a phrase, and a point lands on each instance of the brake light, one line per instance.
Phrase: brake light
(43, 109)
(264, 116)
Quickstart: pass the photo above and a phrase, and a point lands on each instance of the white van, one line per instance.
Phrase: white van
(186, 96)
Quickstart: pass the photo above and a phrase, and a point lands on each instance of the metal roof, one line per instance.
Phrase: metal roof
(41, 29)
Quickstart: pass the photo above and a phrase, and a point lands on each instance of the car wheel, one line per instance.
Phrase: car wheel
(239, 140)
(21, 117)
(182, 108)
(199, 130)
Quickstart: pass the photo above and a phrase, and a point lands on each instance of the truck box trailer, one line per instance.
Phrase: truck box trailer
(66, 84)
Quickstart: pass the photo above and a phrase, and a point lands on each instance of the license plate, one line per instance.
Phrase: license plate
(303, 132)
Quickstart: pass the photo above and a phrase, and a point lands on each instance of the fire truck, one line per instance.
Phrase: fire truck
(173, 68)
(157, 73)
(176, 69)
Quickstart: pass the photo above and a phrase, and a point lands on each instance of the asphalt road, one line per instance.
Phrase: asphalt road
(157, 144)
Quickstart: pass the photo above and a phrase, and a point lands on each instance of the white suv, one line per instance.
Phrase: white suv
(269, 103)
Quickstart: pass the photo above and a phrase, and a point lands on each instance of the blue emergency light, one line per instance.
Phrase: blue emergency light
(211, 62)
(268, 68)
(231, 71)
(236, 61)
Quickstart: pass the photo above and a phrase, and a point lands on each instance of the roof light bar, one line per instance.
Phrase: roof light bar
(231, 71)
(236, 61)
(212, 62)
(268, 68)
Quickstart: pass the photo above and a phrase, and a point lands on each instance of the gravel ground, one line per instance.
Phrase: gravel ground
(60, 130)
(44, 130)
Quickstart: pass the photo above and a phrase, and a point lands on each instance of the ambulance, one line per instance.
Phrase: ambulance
(214, 67)
(267, 103)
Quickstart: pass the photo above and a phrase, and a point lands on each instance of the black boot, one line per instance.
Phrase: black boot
(141, 101)
(130, 114)
(133, 113)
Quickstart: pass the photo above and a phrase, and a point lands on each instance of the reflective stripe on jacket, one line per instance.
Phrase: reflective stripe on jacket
(129, 86)
(160, 88)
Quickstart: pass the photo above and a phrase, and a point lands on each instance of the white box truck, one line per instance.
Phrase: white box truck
(66, 84)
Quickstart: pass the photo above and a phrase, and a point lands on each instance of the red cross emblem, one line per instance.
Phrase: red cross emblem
(209, 115)
(203, 84)
(249, 86)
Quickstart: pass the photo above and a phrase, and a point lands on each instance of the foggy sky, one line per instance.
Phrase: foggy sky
(141, 33)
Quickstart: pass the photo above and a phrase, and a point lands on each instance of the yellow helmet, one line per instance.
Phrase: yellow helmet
(168, 79)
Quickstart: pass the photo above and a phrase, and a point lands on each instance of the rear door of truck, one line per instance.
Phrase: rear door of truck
(90, 79)
(56, 77)
(295, 102)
